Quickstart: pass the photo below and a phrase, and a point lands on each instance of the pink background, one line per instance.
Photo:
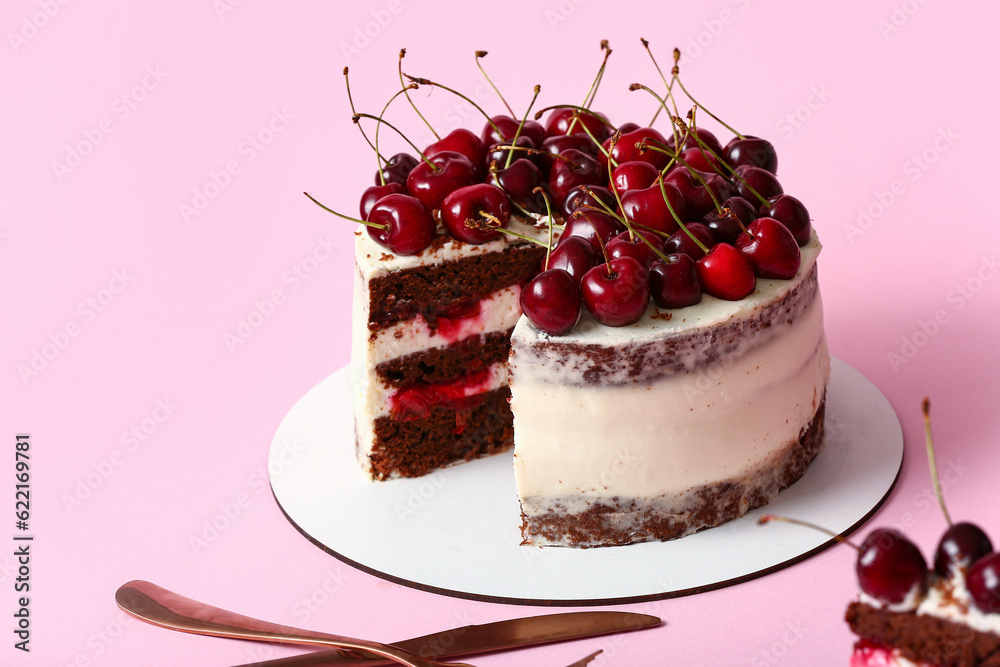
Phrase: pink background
(885, 107)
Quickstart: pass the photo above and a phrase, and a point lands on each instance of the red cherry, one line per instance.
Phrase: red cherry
(590, 225)
(460, 141)
(630, 245)
(961, 545)
(397, 168)
(726, 273)
(508, 128)
(371, 195)
(578, 169)
(559, 144)
(616, 293)
(680, 242)
(727, 229)
(633, 176)
(648, 208)
(674, 282)
(889, 566)
(578, 198)
(701, 160)
(707, 138)
(984, 584)
(771, 249)
(560, 120)
(752, 151)
(756, 180)
(575, 255)
(431, 187)
(626, 151)
(519, 181)
(625, 128)
(551, 301)
(409, 226)
(697, 195)
(790, 212)
(469, 204)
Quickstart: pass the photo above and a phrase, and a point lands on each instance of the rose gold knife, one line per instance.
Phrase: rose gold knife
(487, 638)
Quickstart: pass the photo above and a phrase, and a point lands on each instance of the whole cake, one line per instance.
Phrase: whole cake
(669, 369)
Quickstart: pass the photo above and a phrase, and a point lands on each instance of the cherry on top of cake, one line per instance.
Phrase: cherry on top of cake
(892, 571)
(668, 214)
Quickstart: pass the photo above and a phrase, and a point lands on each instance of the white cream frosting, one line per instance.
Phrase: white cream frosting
(705, 424)
(949, 599)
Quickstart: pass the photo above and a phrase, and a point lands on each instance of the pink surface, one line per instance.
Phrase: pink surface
(152, 210)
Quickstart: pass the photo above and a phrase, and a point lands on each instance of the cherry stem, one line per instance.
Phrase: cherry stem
(535, 151)
(592, 92)
(677, 219)
(520, 125)
(930, 457)
(482, 54)
(604, 207)
(548, 210)
(676, 72)
(523, 237)
(378, 156)
(541, 112)
(382, 121)
(839, 538)
(669, 86)
(402, 54)
(428, 82)
(663, 104)
(611, 146)
(346, 217)
(604, 251)
(379, 127)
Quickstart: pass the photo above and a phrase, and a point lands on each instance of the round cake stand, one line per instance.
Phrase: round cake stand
(456, 531)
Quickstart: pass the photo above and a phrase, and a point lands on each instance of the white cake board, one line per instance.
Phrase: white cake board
(456, 531)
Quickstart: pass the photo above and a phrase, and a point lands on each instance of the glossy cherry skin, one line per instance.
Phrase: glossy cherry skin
(371, 195)
(460, 141)
(707, 138)
(792, 213)
(551, 301)
(727, 229)
(726, 273)
(409, 225)
(702, 160)
(625, 128)
(468, 203)
(579, 196)
(591, 225)
(756, 180)
(519, 181)
(961, 545)
(616, 293)
(626, 151)
(633, 175)
(431, 187)
(575, 255)
(581, 169)
(696, 195)
(508, 127)
(631, 245)
(561, 143)
(983, 583)
(751, 151)
(680, 242)
(397, 168)
(649, 209)
(771, 249)
(560, 121)
(674, 282)
(499, 155)
(889, 566)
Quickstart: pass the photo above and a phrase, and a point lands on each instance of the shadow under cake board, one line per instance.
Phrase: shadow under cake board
(456, 532)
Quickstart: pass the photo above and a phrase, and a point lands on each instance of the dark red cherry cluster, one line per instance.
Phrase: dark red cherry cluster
(892, 570)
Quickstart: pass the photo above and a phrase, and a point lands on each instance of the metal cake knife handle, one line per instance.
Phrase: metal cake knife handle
(159, 606)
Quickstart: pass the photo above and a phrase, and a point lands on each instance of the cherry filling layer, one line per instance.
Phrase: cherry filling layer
(869, 654)
(417, 401)
(456, 321)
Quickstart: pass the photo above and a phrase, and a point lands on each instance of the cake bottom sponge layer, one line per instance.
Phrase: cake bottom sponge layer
(582, 522)
(416, 447)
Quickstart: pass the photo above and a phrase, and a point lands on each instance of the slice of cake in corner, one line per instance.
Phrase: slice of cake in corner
(681, 421)
(429, 349)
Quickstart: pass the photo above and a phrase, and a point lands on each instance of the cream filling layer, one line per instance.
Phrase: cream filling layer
(682, 431)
